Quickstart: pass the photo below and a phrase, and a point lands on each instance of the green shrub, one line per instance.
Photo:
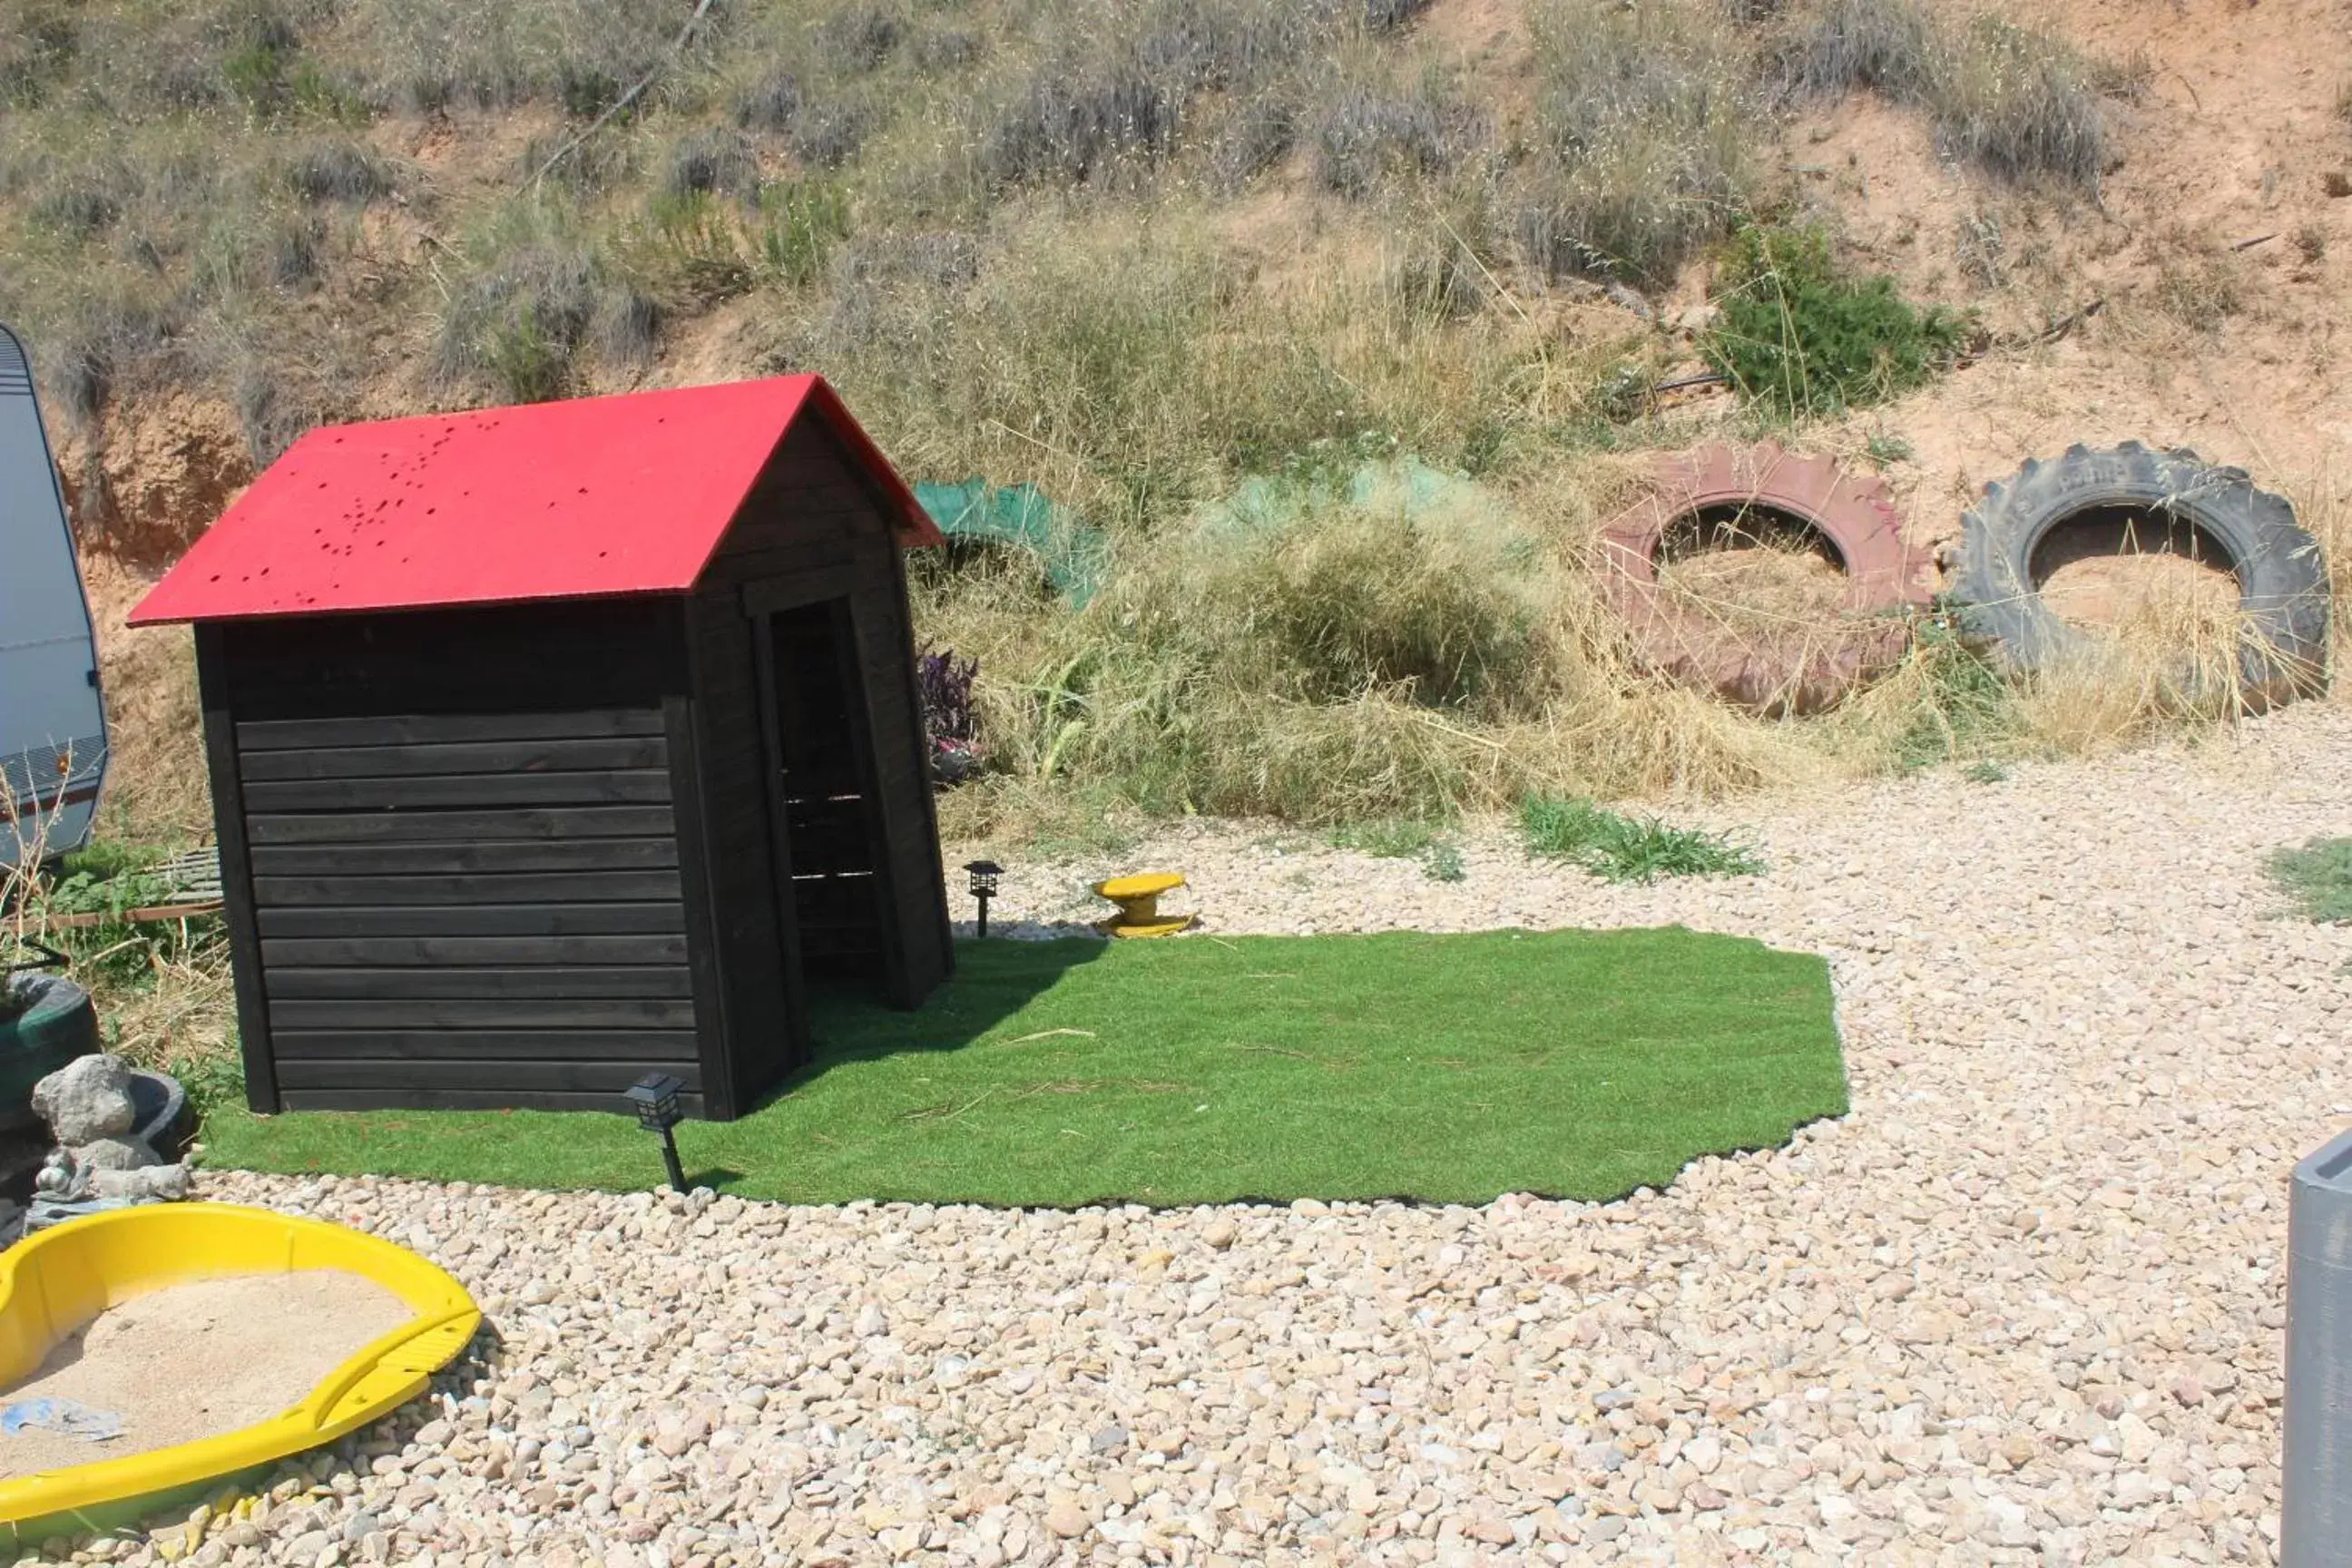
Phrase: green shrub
(714, 249)
(829, 133)
(36, 52)
(1619, 848)
(1075, 119)
(1796, 333)
(859, 39)
(710, 162)
(770, 102)
(78, 207)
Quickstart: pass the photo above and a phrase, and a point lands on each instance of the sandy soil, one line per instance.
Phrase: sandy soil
(2228, 140)
(199, 1360)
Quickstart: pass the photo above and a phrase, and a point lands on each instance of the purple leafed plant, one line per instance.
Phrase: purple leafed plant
(946, 687)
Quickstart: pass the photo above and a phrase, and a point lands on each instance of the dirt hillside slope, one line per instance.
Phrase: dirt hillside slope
(2196, 301)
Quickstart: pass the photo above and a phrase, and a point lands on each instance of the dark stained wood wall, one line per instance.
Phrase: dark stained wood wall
(812, 532)
(521, 855)
(462, 862)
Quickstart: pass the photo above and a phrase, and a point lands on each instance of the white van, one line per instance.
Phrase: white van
(52, 725)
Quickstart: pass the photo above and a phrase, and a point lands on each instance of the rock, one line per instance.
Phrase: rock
(115, 1154)
(155, 1183)
(86, 1099)
(1221, 1234)
(1065, 1519)
(310, 1546)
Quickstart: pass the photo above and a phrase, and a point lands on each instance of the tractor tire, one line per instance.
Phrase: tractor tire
(1848, 513)
(58, 1026)
(2018, 534)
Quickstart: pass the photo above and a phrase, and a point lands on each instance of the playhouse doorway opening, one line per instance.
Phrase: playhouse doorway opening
(822, 760)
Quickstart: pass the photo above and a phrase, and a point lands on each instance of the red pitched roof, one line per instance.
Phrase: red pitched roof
(548, 501)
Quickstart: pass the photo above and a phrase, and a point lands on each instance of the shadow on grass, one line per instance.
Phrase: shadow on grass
(993, 981)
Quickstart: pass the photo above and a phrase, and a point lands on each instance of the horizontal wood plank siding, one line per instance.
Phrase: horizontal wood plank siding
(532, 1013)
(460, 855)
(668, 1049)
(464, 864)
(635, 787)
(419, 1099)
(519, 888)
(479, 1073)
(627, 982)
(497, 826)
(441, 729)
(399, 761)
(493, 951)
(476, 920)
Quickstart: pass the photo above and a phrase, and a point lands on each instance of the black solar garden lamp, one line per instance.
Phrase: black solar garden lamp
(654, 1098)
(984, 886)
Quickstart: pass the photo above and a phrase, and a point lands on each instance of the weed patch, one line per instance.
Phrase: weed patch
(2317, 876)
(1621, 848)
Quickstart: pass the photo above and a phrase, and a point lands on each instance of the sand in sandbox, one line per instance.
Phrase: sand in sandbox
(199, 1360)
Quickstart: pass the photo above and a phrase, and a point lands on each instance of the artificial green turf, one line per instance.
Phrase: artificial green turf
(1453, 1068)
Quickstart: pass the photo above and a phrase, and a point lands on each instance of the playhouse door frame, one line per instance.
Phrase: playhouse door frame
(763, 601)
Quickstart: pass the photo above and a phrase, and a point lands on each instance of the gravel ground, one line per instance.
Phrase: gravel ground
(2022, 1306)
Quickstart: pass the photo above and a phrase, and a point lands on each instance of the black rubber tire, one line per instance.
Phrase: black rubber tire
(58, 1026)
(2282, 579)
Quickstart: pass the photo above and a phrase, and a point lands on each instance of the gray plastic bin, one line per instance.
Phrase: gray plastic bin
(2315, 1517)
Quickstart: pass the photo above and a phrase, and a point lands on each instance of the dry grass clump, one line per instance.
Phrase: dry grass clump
(1338, 654)
(2014, 100)
(1134, 371)
(421, 56)
(520, 316)
(1370, 132)
(1754, 586)
(1651, 123)
(340, 171)
(2199, 285)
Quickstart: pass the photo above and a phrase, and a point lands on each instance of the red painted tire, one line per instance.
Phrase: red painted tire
(1793, 673)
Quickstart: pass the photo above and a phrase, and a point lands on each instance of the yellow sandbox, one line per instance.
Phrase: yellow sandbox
(57, 1281)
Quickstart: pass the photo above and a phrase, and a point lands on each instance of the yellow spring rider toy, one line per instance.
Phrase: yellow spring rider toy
(1138, 899)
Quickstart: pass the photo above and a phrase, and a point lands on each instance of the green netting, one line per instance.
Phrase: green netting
(1074, 555)
(1267, 503)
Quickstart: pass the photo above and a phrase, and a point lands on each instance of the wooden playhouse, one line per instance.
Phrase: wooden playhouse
(554, 745)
